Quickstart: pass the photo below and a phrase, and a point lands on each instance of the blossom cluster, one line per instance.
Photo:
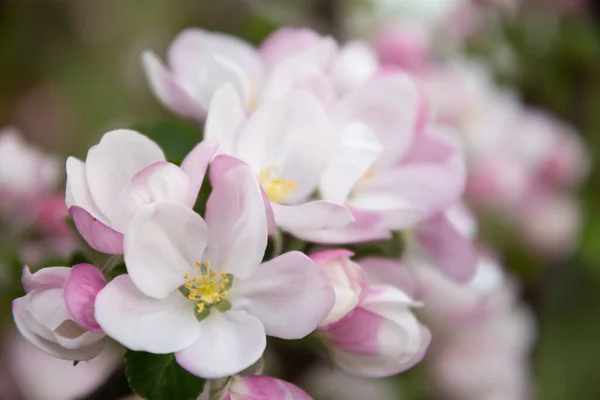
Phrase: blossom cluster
(302, 137)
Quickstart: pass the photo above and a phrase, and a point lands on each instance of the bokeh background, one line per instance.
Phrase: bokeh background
(70, 71)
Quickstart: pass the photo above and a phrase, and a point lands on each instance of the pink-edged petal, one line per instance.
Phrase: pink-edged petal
(387, 271)
(325, 256)
(396, 212)
(226, 115)
(429, 148)
(389, 106)
(318, 214)
(112, 163)
(236, 218)
(171, 93)
(163, 242)
(43, 338)
(78, 191)
(452, 252)
(290, 295)
(142, 323)
(357, 152)
(285, 42)
(84, 283)
(265, 387)
(45, 278)
(356, 63)
(194, 50)
(195, 165)
(99, 236)
(229, 343)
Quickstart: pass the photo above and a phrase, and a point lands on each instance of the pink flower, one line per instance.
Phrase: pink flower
(201, 62)
(288, 144)
(57, 313)
(257, 387)
(197, 287)
(380, 336)
(122, 173)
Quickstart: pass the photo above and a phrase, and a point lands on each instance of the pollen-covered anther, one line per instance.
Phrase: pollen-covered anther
(206, 288)
(276, 189)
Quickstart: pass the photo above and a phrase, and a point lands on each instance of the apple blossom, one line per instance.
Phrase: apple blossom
(197, 287)
(123, 172)
(201, 62)
(380, 336)
(288, 144)
(57, 313)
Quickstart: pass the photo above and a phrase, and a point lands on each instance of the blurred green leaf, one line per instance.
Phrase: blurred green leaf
(159, 377)
(176, 138)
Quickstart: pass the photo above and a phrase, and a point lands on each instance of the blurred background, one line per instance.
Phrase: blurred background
(70, 71)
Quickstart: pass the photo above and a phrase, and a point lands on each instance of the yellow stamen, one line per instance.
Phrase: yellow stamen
(186, 276)
(223, 294)
(197, 263)
(213, 273)
(220, 287)
(223, 274)
(189, 285)
(200, 307)
(206, 263)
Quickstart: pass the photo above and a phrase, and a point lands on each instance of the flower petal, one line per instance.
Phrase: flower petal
(195, 165)
(290, 295)
(171, 93)
(312, 215)
(84, 283)
(112, 163)
(78, 191)
(229, 343)
(381, 270)
(358, 151)
(45, 278)
(161, 245)
(449, 250)
(265, 387)
(226, 115)
(236, 218)
(99, 236)
(395, 211)
(142, 323)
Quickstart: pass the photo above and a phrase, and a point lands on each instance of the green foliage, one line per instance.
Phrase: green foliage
(159, 377)
(177, 138)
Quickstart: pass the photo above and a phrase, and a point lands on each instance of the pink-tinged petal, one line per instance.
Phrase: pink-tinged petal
(429, 148)
(312, 215)
(447, 248)
(290, 295)
(291, 139)
(356, 63)
(78, 191)
(295, 74)
(229, 343)
(390, 107)
(171, 93)
(389, 272)
(226, 115)
(163, 242)
(396, 213)
(45, 278)
(357, 152)
(357, 333)
(112, 163)
(406, 46)
(325, 256)
(142, 323)
(285, 43)
(44, 339)
(236, 218)
(193, 52)
(195, 165)
(84, 283)
(265, 388)
(99, 236)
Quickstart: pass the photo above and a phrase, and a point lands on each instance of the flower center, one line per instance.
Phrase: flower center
(208, 288)
(275, 188)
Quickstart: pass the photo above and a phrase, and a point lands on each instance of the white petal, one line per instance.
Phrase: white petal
(161, 245)
(397, 213)
(225, 118)
(290, 295)
(142, 323)
(78, 191)
(236, 218)
(112, 163)
(229, 343)
(312, 215)
(358, 151)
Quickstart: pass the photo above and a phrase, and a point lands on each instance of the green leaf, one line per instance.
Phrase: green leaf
(176, 138)
(159, 377)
